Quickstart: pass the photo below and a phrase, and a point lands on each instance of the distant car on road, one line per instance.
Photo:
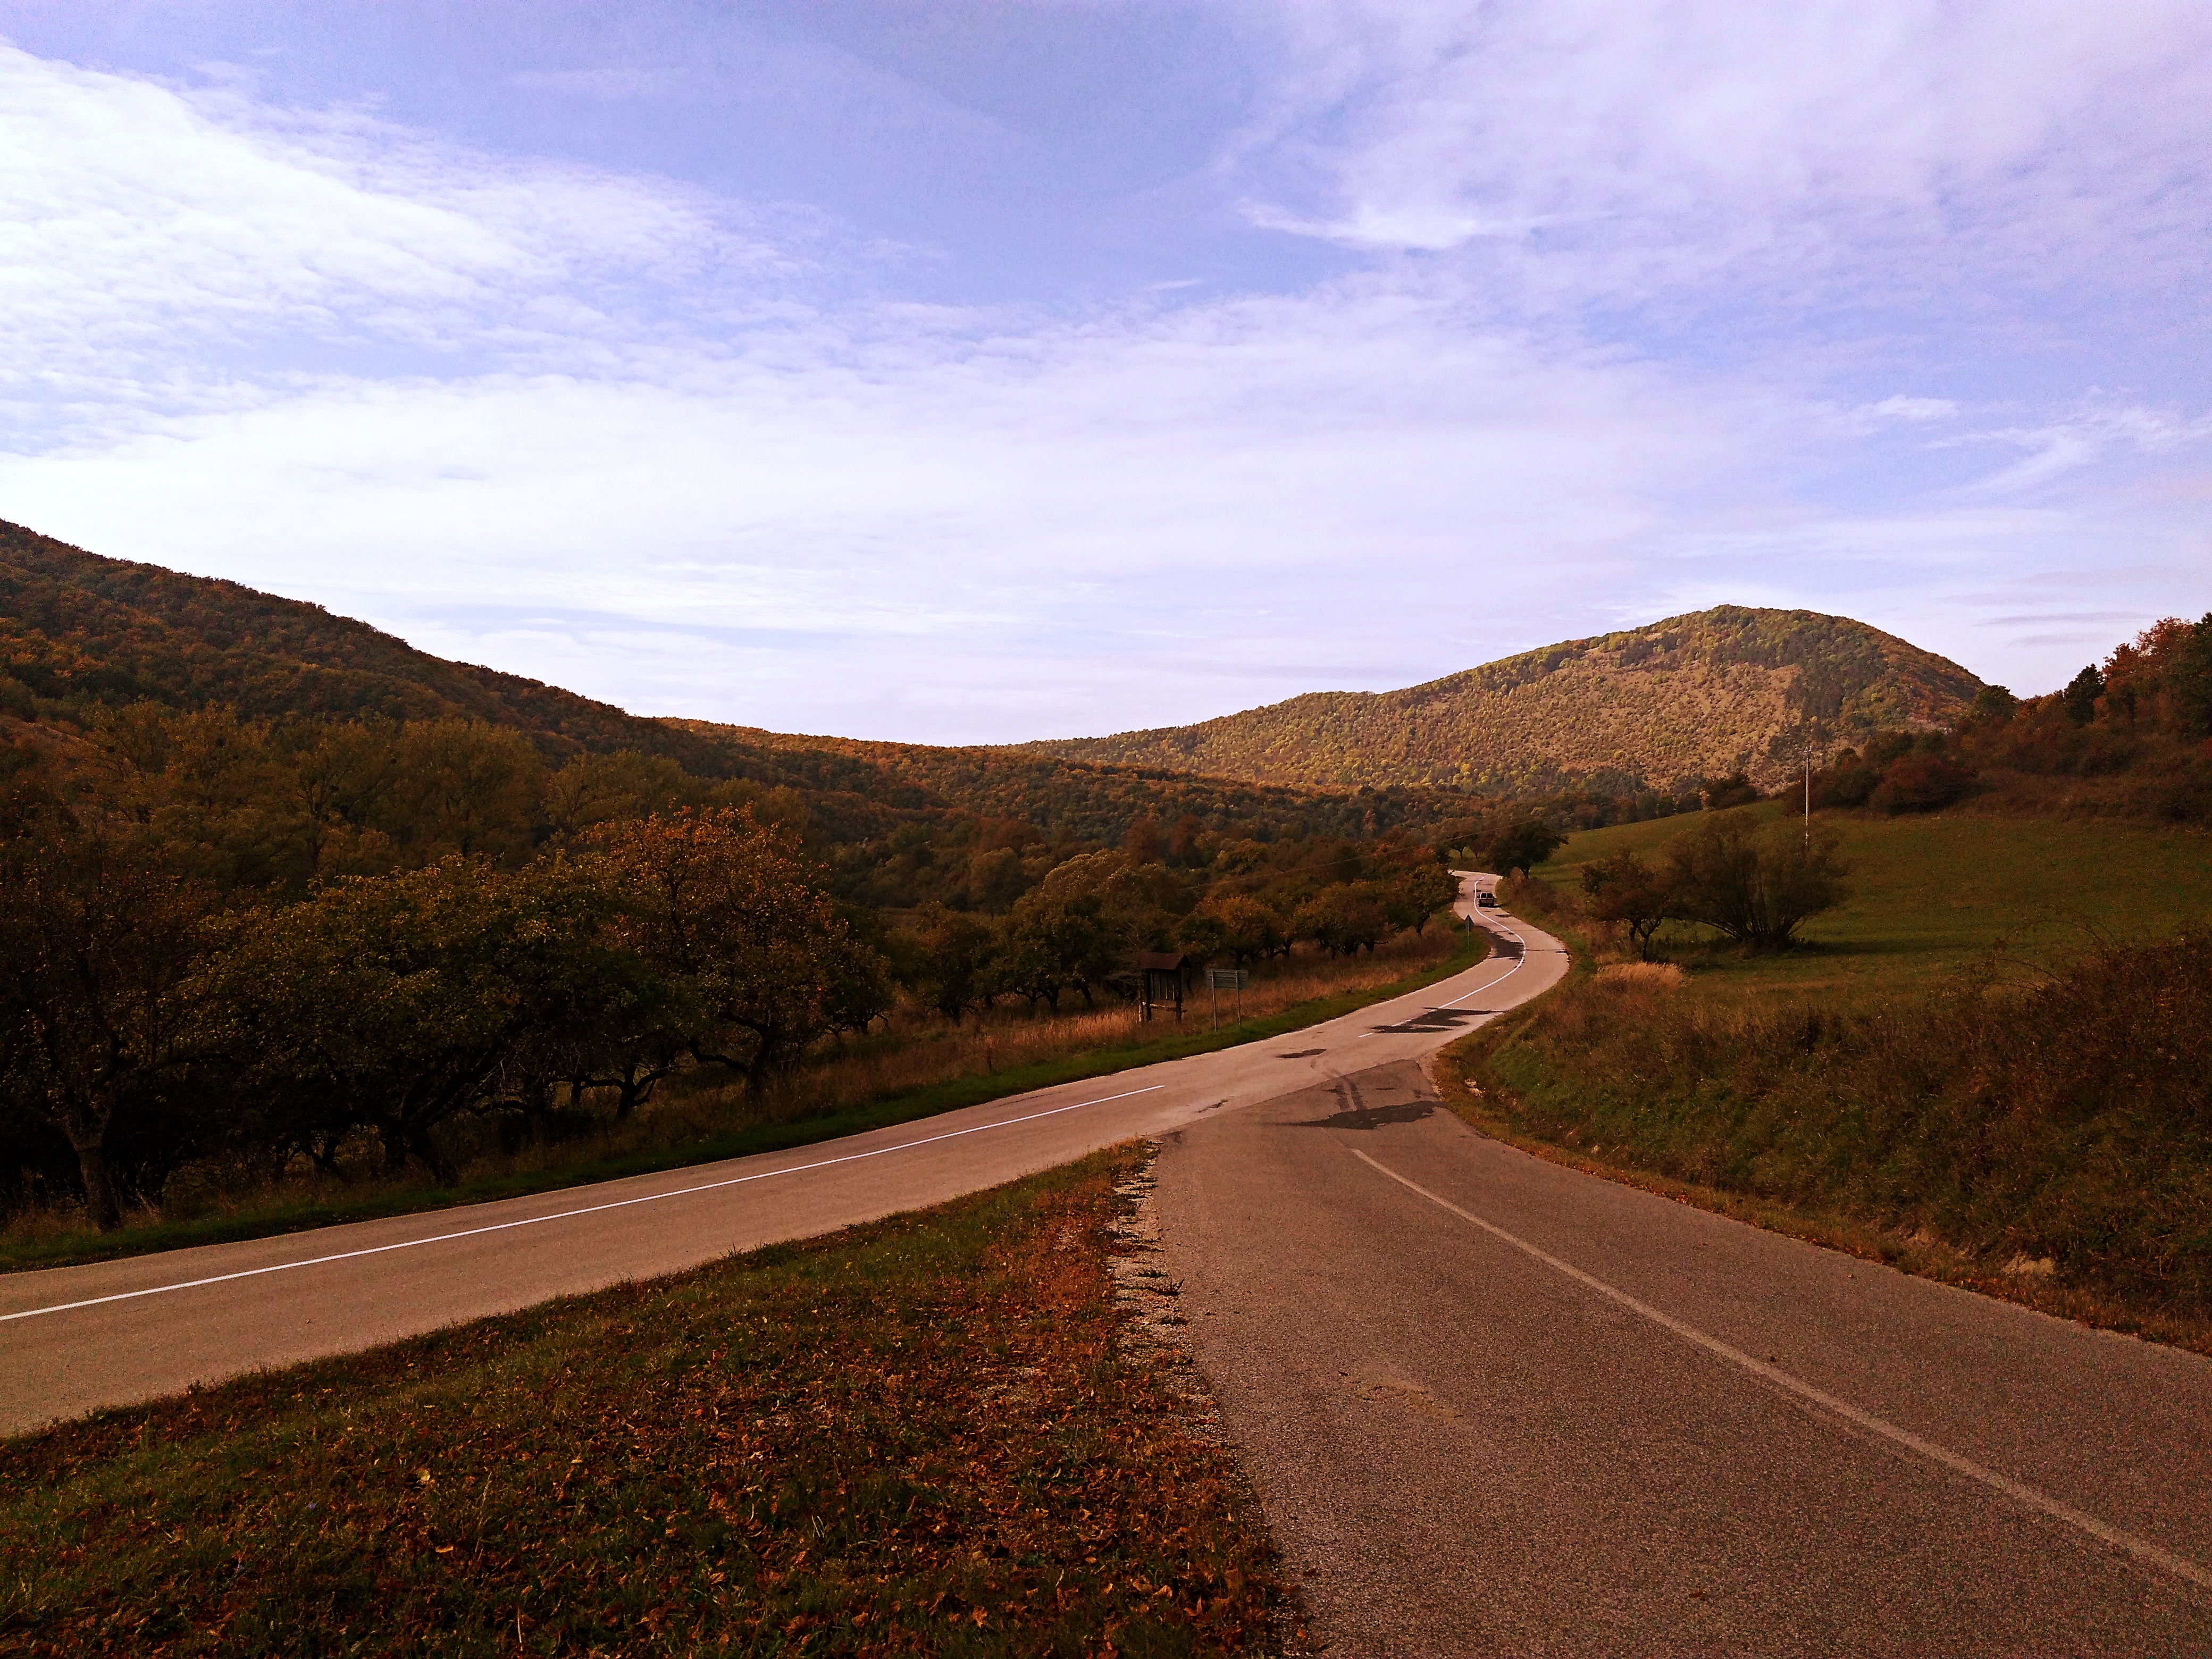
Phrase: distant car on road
(1485, 901)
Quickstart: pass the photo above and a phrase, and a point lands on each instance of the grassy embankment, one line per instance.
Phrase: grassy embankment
(920, 1435)
(1983, 1066)
(870, 1085)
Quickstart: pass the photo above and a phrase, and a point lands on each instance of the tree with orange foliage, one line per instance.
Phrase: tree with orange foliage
(726, 910)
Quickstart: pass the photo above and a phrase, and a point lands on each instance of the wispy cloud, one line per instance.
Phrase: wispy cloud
(1620, 149)
(700, 455)
(2084, 438)
(160, 240)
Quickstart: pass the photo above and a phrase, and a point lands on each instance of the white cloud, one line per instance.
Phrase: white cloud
(155, 234)
(2084, 438)
(1132, 507)
(1632, 146)
(746, 495)
(1915, 409)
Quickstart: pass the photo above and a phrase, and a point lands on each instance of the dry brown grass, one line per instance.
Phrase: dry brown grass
(922, 1050)
(1653, 975)
(920, 1437)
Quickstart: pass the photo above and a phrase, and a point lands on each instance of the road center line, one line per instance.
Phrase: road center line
(2144, 1551)
(1501, 979)
(569, 1215)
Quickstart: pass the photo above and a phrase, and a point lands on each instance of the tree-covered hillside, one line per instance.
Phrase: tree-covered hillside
(1703, 695)
(83, 636)
(1089, 800)
(79, 632)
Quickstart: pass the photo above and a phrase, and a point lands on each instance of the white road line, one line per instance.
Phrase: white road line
(1503, 978)
(2144, 1551)
(569, 1215)
(1387, 1031)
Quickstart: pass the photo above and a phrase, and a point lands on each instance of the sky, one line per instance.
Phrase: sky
(956, 372)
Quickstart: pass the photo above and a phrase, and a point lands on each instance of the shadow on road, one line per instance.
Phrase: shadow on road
(1436, 1019)
(1357, 1114)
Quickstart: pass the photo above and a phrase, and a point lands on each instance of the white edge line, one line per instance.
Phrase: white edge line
(567, 1215)
(1491, 985)
(2143, 1549)
(619, 1204)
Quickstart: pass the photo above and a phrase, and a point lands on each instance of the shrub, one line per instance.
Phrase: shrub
(1756, 885)
(2072, 1121)
(1920, 783)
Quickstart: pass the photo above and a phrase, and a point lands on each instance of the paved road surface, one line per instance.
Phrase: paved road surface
(1494, 1406)
(75, 1338)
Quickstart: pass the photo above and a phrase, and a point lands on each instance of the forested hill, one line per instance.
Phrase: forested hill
(1698, 695)
(80, 634)
(1088, 800)
(78, 631)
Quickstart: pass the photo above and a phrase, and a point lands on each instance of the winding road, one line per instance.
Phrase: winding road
(74, 1338)
(1492, 1404)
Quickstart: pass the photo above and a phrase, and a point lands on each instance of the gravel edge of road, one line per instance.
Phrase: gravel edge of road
(1158, 1337)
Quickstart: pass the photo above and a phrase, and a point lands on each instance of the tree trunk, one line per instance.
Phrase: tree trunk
(441, 1167)
(98, 1189)
(86, 1125)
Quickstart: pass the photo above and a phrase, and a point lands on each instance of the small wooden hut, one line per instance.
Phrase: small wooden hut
(1161, 974)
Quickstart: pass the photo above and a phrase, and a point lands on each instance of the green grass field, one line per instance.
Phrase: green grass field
(1930, 896)
(923, 1436)
(1988, 1064)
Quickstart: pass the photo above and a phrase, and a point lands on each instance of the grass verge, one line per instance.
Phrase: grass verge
(777, 1136)
(2051, 1147)
(916, 1437)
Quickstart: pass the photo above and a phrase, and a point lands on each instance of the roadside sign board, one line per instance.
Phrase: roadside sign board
(1227, 979)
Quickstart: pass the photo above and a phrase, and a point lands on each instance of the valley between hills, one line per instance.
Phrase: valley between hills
(386, 935)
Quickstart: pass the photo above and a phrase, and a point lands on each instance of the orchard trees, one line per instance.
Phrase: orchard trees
(758, 957)
(98, 941)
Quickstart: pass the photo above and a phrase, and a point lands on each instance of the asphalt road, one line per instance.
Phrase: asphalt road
(1494, 1406)
(73, 1339)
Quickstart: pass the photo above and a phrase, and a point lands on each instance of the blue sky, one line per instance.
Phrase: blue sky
(982, 372)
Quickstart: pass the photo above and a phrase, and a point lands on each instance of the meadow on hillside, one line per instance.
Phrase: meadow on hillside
(1988, 1062)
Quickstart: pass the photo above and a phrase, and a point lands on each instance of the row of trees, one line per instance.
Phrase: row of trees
(2142, 717)
(156, 1009)
(1076, 932)
(148, 1022)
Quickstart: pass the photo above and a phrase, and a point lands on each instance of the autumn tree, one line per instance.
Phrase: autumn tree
(727, 910)
(2080, 697)
(99, 940)
(592, 790)
(395, 1001)
(1238, 926)
(1622, 888)
(1518, 843)
(1755, 883)
(957, 960)
(1056, 941)
(1343, 918)
(463, 787)
(1417, 894)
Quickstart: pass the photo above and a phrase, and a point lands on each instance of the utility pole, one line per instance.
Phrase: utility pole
(1809, 794)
